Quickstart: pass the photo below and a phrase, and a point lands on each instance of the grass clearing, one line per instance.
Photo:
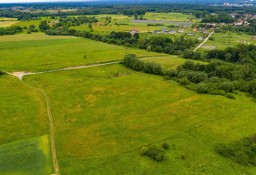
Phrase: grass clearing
(26, 157)
(169, 16)
(23, 112)
(170, 62)
(102, 121)
(224, 40)
(45, 53)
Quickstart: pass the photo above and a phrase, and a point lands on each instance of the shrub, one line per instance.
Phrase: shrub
(171, 73)
(152, 152)
(230, 96)
(165, 146)
(242, 151)
(2, 73)
(201, 88)
(226, 86)
(183, 81)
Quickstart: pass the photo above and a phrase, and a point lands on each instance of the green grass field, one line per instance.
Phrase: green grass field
(126, 23)
(37, 52)
(169, 16)
(26, 157)
(170, 62)
(102, 121)
(224, 40)
(23, 114)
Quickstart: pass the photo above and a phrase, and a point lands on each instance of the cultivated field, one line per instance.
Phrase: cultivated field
(39, 52)
(6, 22)
(26, 157)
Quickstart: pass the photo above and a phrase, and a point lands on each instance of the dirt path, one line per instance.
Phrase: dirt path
(20, 75)
(52, 133)
(206, 39)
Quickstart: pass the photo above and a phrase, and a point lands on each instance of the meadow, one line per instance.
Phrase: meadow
(126, 23)
(170, 16)
(6, 22)
(26, 157)
(224, 40)
(104, 115)
(170, 62)
(136, 109)
(37, 52)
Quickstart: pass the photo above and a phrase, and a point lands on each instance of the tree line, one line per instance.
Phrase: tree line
(10, 30)
(215, 78)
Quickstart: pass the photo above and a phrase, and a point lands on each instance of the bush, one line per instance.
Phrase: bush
(152, 152)
(171, 73)
(2, 73)
(242, 151)
(165, 146)
(226, 86)
(183, 81)
(230, 96)
(201, 88)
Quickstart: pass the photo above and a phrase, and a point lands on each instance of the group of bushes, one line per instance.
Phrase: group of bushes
(131, 61)
(242, 152)
(240, 54)
(216, 78)
(155, 153)
(10, 30)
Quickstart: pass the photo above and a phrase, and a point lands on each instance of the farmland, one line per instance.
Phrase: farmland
(39, 52)
(126, 119)
(26, 157)
(126, 23)
(82, 94)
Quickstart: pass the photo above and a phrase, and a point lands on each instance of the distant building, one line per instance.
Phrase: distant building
(181, 31)
(134, 31)
(205, 31)
(157, 31)
(172, 32)
(191, 34)
(165, 30)
(195, 29)
(200, 38)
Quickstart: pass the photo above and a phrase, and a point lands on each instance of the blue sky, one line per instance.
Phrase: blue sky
(12, 1)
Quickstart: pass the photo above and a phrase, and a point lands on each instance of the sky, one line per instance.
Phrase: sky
(15, 1)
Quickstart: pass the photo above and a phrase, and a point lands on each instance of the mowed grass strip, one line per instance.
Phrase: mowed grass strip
(102, 119)
(46, 53)
(26, 157)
